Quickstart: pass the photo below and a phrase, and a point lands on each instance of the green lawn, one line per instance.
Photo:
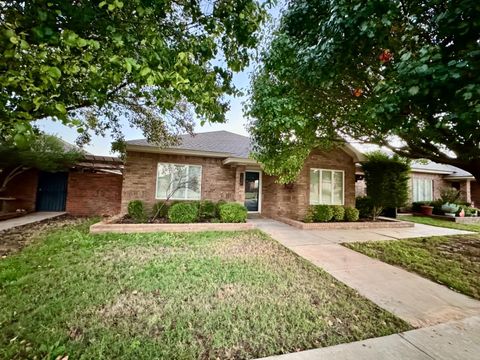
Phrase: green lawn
(145, 296)
(439, 222)
(450, 260)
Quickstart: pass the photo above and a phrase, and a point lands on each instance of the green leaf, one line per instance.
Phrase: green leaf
(54, 72)
(413, 90)
(61, 108)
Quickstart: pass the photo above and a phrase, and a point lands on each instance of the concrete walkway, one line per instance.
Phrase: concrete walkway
(28, 219)
(457, 340)
(411, 297)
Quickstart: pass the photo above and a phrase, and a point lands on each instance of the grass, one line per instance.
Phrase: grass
(196, 295)
(453, 261)
(441, 223)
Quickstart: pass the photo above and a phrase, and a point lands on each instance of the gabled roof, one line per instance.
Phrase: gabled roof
(224, 142)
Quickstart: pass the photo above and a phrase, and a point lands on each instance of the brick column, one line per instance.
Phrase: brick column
(465, 191)
(239, 195)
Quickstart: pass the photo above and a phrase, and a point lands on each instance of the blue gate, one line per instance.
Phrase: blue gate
(52, 191)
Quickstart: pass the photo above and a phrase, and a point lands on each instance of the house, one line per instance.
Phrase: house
(428, 179)
(90, 187)
(216, 166)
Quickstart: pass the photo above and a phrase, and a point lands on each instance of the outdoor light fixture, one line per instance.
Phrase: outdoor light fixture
(241, 178)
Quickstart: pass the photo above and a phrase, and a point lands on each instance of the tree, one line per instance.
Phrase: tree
(387, 181)
(402, 74)
(91, 63)
(46, 153)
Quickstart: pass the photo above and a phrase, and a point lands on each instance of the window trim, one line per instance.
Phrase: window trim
(320, 180)
(173, 197)
(424, 180)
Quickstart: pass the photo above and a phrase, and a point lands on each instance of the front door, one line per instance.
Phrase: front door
(52, 191)
(252, 191)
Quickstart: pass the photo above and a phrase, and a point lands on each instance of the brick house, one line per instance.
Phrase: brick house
(91, 187)
(220, 168)
(427, 179)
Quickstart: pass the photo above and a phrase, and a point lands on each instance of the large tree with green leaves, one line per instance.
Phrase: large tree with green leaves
(402, 74)
(45, 152)
(88, 63)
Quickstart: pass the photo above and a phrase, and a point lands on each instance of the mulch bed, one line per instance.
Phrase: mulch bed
(15, 239)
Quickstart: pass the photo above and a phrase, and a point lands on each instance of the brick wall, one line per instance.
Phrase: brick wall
(293, 200)
(475, 193)
(93, 193)
(24, 189)
(139, 181)
(439, 183)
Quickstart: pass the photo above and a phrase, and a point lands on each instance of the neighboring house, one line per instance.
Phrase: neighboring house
(428, 179)
(92, 186)
(219, 164)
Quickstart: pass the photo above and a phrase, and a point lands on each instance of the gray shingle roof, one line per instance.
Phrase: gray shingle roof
(441, 168)
(213, 141)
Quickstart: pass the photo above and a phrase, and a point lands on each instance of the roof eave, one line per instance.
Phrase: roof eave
(240, 161)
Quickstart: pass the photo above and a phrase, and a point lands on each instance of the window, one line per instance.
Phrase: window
(178, 182)
(326, 187)
(422, 190)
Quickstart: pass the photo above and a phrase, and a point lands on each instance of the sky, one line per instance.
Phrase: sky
(236, 121)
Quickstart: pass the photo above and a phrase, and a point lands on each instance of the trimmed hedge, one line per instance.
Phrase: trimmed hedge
(136, 210)
(322, 213)
(326, 213)
(338, 212)
(351, 214)
(207, 209)
(365, 207)
(232, 212)
(182, 213)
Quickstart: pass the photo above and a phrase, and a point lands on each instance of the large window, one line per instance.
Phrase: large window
(422, 190)
(326, 187)
(178, 182)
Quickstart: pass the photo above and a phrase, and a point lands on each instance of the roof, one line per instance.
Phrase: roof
(213, 141)
(221, 143)
(430, 166)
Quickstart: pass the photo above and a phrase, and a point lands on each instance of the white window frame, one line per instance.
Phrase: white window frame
(173, 197)
(425, 181)
(320, 195)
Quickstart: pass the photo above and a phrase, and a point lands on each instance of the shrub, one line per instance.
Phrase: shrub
(232, 212)
(365, 207)
(182, 213)
(338, 212)
(160, 209)
(449, 195)
(207, 210)
(136, 210)
(309, 215)
(322, 213)
(217, 207)
(351, 214)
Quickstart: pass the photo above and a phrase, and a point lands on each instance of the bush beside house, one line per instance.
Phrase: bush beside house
(183, 212)
(328, 213)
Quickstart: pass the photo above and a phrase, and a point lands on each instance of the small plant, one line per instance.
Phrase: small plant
(351, 214)
(338, 212)
(217, 207)
(322, 213)
(136, 210)
(449, 195)
(309, 215)
(182, 213)
(232, 213)
(207, 209)
(160, 209)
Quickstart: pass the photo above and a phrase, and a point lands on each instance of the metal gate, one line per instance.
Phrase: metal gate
(52, 191)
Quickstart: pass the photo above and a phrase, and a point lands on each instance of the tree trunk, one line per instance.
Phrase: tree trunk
(10, 176)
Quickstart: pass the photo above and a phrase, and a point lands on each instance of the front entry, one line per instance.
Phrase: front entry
(252, 191)
(52, 191)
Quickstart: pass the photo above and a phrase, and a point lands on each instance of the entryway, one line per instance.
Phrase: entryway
(253, 185)
(52, 191)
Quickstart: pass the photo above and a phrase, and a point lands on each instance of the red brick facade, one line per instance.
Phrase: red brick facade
(93, 193)
(24, 189)
(223, 182)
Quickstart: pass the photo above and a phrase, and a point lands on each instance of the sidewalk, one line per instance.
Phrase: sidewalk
(411, 297)
(457, 340)
(28, 219)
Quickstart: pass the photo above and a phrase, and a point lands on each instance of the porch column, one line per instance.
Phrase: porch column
(239, 195)
(466, 191)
